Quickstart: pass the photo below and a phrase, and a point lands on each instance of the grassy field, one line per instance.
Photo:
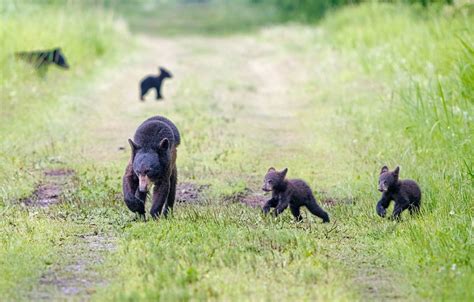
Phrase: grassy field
(368, 85)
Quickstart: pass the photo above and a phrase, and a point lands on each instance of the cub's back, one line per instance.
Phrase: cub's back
(411, 189)
(301, 190)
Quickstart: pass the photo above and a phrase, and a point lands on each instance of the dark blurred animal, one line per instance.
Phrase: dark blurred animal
(406, 193)
(294, 193)
(153, 162)
(154, 82)
(42, 59)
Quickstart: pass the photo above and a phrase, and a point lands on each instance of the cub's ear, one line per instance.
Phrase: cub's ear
(134, 147)
(164, 144)
(271, 169)
(283, 172)
(384, 169)
(396, 171)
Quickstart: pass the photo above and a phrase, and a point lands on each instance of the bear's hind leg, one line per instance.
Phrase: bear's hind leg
(414, 208)
(400, 206)
(172, 194)
(295, 210)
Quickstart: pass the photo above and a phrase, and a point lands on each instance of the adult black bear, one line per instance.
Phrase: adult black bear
(41, 59)
(154, 82)
(292, 192)
(153, 161)
(406, 193)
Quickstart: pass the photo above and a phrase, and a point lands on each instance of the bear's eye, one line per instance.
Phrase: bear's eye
(270, 181)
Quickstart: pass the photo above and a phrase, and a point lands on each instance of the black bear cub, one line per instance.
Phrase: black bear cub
(406, 193)
(41, 59)
(154, 82)
(153, 161)
(290, 192)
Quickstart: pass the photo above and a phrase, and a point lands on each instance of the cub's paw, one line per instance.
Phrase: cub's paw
(381, 212)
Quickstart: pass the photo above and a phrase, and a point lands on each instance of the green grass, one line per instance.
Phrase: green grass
(425, 125)
(28, 140)
(372, 85)
(39, 126)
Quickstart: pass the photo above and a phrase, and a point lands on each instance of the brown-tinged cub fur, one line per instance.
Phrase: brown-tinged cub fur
(294, 193)
(153, 162)
(406, 193)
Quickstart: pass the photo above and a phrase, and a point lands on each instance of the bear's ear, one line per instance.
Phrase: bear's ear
(134, 147)
(164, 144)
(283, 173)
(396, 171)
(271, 169)
(384, 169)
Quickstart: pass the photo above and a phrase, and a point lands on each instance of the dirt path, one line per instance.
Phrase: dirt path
(254, 82)
(75, 276)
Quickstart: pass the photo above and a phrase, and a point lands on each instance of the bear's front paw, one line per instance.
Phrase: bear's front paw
(135, 204)
(266, 210)
(381, 212)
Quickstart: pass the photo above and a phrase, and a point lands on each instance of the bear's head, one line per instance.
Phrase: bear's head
(165, 73)
(388, 179)
(274, 179)
(59, 58)
(146, 163)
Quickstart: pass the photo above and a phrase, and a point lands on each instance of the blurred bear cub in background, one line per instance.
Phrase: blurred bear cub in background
(41, 59)
(156, 82)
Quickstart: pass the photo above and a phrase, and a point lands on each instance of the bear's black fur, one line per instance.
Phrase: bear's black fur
(292, 192)
(154, 82)
(406, 193)
(153, 161)
(41, 59)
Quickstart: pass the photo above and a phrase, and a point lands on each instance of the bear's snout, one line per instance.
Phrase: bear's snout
(143, 182)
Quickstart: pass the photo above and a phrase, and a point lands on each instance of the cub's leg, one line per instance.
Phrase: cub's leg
(414, 208)
(143, 91)
(282, 205)
(400, 206)
(160, 196)
(315, 209)
(295, 210)
(130, 187)
(158, 92)
(172, 194)
(382, 205)
(271, 203)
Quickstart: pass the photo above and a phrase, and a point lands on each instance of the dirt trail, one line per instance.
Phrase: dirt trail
(252, 74)
(75, 277)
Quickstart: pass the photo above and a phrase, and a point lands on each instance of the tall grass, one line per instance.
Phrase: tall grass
(38, 116)
(88, 37)
(426, 59)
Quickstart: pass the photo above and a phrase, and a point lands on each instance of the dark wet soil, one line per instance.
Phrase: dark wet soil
(48, 192)
(189, 192)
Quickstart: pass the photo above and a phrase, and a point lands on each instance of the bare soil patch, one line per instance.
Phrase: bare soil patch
(254, 200)
(49, 191)
(189, 192)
